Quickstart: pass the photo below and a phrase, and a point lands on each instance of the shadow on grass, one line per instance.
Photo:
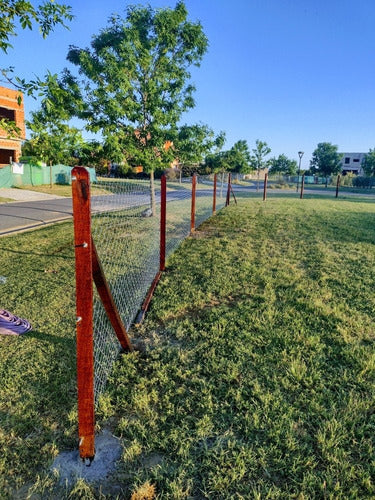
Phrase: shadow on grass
(69, 344)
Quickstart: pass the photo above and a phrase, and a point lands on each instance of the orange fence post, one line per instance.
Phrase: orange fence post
(84, 309)
(214, 195)
(302, 186)
(228, 190)
(265, 187)
(193, 196)
(163, 220)
(338, 185)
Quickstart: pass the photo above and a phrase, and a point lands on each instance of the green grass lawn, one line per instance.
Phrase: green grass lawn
(61, 190)
(342, 189)
(257, 375)
(56, 189)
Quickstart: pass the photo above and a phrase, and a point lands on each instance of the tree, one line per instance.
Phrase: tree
(192, 143)
(258, 160)
(283, 165)
(46, 16)
(236, 159)
(15, 13)
(52, 141)
(217, 162)
(239, 157)
(368, 163)
(134, 81)
(326, 160)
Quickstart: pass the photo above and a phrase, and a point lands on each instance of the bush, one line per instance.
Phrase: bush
(364, 182)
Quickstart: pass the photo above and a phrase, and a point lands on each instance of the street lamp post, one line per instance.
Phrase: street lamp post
(300, 154)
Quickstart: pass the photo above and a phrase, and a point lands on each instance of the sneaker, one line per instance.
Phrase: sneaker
(12, 325)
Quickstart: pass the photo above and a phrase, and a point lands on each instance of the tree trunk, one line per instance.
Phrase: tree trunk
(152, 193)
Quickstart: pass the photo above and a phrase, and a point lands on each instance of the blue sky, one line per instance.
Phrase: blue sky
(289, 72)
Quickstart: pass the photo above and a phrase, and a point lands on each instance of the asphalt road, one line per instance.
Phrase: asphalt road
(21, 216)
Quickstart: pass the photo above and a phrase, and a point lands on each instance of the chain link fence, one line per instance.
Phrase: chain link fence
(125, 227)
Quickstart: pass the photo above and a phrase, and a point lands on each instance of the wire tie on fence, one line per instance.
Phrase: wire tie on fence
(74, 178)
(79, 319)
(84, 245)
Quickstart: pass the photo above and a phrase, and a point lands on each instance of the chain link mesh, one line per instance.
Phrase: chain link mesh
(127, 238)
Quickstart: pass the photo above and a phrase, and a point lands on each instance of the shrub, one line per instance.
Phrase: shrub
(364, 182)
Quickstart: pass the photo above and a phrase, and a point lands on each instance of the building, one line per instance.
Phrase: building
(11, 108)
(352, 163)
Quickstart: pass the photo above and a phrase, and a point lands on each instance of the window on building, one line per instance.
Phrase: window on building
(6, 156)
(347, 160)
(356, 160)
(8, 114)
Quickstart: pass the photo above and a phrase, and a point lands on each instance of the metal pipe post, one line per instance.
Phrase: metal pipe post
(163, 221)
(214, 195)
(338, 185)
(265, 186)
(302, 186)
(228, 190)
(193, 196)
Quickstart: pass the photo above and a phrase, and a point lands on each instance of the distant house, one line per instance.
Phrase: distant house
(352, 163)
(11, 108)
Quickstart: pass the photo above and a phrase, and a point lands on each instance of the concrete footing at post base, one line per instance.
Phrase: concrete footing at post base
(70, 467)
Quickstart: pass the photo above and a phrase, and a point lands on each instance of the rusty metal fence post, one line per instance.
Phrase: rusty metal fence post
(84, 309)
(228, 190)
(265, 186)
(214, 195)
(338, 185)
(193, 196)
(302, 186)
(163, 221)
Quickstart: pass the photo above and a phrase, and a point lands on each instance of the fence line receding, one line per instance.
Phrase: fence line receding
(122, 240)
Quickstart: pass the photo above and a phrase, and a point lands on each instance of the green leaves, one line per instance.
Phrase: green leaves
(368, 163)
(260, 151)
(46, 16)
(236, 159)
(134, 80)
(325, 159)
(283, 165)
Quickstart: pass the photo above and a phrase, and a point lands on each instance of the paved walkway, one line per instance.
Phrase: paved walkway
(25, 195)
(31, 210)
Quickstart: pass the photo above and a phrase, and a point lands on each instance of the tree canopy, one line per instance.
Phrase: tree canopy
(53, 141)
(239, 157)
(192, 143)
(46, 15)
(368, 163)
(283, 165)
(259, 153)
(133, 83)
(325, 159)
(23, 13)
(236, 159)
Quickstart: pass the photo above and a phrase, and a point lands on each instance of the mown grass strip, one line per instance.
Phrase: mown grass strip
(257, 376)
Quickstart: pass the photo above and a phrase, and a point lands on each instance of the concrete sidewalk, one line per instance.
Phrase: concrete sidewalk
(23, 215)
(25, 195)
